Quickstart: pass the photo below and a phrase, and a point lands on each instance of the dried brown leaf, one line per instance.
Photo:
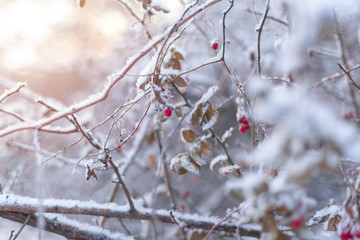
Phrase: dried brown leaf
(179, 171)
(227, 170)
(196, 114)
(205, 149)
(146, 3)
(211, 115)
(90, 173)
(82, 3)
(217, 160)
(175, 64)
(157, 80)
(269, 226)
(160, 9)
(333, 222)
(189, 135)
(142, 86)
(183, 163)
(179, 81)
(211, 112)
(152, 161)
(178, 111)
(198, 234)
(178, 55)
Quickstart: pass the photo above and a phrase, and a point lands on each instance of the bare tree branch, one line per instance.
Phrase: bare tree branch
(27, 205)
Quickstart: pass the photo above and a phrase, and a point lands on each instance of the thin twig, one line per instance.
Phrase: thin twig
(166, 172)
(12, 91)
(347, 73)
(123, 185)
(181, 94)
(110, 200)
(269, 17)
(346, 176)
(344, 60)
(336, 76)
(22, 227)
(259, 30)
(200, 66)
(85, 134)
(13, 115)
(224, 28)
(47, 154)
(235, 81)
(136, 17)
(135, 130)
(220, 222)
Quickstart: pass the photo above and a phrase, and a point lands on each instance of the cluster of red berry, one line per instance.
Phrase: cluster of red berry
(347, 234)
(244, 124)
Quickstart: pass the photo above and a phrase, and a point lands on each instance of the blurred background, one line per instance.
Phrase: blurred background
(58, 48)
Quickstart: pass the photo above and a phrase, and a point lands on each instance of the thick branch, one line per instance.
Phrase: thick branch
(27, 205)
(61, 227)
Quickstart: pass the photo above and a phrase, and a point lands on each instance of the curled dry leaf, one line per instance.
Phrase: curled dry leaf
(333, 222)
(178, 111)
(160, 9)
(196, 114)
(145, 3)
(90, 173)
(197, 234)
(227, 170)
(174, 61)
(183, 163)
(215, 162)
(195, 153)
(211, 115)
(205, 149)
(177, 54)
(189, 135)
(202, 106)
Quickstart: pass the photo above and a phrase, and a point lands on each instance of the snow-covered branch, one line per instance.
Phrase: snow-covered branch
(27, 205)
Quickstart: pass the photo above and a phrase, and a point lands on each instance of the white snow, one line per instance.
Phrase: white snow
(218, 159)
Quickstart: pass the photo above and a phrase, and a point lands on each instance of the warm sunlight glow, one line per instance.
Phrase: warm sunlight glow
(111, 24)
(19, 57)
(26, 26)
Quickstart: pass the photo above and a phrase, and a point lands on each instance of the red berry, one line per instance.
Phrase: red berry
(297, 223)
(357, 234)
(186, 194)
(167, 112)
(214, 46)
(244, 124)
(182, 207)
(348, 116)
(243, 121)
(346, 236)
(243, 129)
